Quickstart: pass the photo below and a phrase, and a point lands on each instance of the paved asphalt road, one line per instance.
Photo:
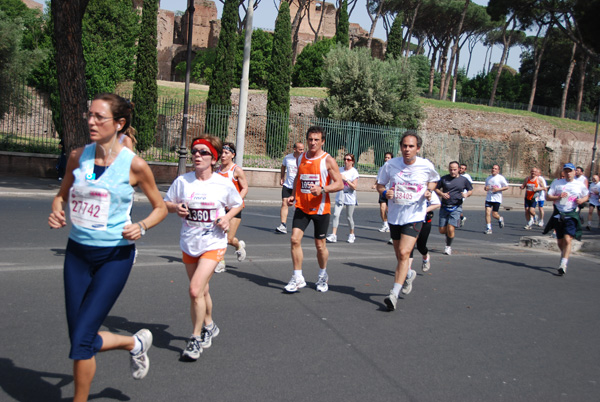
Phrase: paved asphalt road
(492, 322)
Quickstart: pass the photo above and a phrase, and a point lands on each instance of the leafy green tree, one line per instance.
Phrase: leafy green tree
(222, 79)
(394, 43)
(30, 19)
(110, 32)
(15, 62)
(145, 90)
(202, 66)
(278, 98)
(421, 67)
(509, 88)
(371, 91)
(308, 70)
(368, 90)
(342, 29)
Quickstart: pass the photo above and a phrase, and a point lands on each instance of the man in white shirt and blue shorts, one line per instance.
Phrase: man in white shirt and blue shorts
(289, 168)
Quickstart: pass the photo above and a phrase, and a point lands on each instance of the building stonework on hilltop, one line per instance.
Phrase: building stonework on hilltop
(173, 31)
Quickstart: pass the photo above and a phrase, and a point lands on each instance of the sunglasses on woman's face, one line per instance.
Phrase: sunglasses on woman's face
(202, 152)
(348, 159)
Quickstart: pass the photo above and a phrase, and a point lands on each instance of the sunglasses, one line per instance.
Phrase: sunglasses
(202, 152)
(348, 159)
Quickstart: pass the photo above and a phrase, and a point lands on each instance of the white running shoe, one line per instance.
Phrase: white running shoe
(322, 285)
(541, 224)
(241, 252)
(351, 238)
(562, 269)
(391, 241)
(426, 265)
(281, 229)
(487, 231)
(407, 286)
(385, 228)
(527, 227)
(331, 238)
(390, 301)
(140, 363)
(448, 250)
(193, 350)
(462, 221)
(220, 267)
(295, 284)
(501, 222)
(207, 335)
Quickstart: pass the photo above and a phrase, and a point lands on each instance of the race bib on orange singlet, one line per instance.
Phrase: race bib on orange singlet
(406, 193)
(307, 181)
(201, 215)
(89, 207)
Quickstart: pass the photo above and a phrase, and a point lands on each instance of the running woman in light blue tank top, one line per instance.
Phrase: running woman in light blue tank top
(97, 190)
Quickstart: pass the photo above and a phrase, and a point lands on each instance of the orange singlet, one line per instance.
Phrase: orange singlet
(530, 187)
(312, 171)
(229, 174)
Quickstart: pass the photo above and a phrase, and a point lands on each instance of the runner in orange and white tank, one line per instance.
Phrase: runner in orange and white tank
(236, 175)
(318, 175)
(531, 187)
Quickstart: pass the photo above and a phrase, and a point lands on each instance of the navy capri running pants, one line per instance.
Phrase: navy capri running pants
(94, 278)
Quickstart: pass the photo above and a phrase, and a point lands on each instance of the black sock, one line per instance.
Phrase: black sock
(449, 241)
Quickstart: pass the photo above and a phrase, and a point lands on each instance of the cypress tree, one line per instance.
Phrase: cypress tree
(394, 45)
(342, 34)
(278, 98)
(222, 79)
(145, 90)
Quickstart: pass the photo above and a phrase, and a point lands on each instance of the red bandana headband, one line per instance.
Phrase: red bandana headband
(212, 149)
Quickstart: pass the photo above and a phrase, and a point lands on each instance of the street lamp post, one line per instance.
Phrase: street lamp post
(186, 96)
(243, 103)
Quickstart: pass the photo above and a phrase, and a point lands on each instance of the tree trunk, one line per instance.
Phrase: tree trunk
(432, 70)
(296, 28)
(410, 29)
(582, 67)
(563, 101)
(537, 59)
(455, 75)
(506, 41)
(454, 49)
(442, 66)
(316, 31)
(67, 17)
(373, 21)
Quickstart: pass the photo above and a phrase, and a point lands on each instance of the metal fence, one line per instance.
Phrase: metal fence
(32, 131)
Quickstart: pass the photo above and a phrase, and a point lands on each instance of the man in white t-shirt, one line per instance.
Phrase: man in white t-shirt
(579, 176)
(495, 184)
(541, 196)
(289, 168)
(568, 194)
(463, 172)
(407, 182)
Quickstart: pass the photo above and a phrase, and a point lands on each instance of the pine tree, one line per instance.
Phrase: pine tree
(223, 73)
(278, 98)
(394, 45)
(343, 26)
(145, 90)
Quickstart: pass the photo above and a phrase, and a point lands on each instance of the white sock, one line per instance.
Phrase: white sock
(322, 271)
(298, 274)
(396, 289)
(564, 261)
(489, 226)
(137, 347)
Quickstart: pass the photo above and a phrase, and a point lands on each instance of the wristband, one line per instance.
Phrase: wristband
(384, 193)
(323, 190)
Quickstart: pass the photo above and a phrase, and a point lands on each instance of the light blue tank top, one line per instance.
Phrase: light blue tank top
(88, 200)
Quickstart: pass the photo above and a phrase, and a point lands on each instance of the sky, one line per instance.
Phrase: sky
(266, 13)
